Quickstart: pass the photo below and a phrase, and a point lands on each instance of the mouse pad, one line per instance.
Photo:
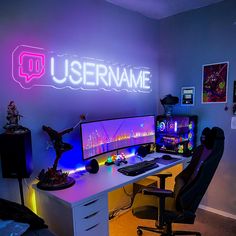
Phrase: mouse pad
(166, 162)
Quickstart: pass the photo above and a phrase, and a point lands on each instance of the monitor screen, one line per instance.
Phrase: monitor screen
(176, 134)
(103, 136)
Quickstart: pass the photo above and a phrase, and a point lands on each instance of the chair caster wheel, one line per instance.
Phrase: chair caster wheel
(139, 232)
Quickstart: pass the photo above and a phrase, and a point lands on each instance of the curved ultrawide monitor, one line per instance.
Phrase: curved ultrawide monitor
(104, 136)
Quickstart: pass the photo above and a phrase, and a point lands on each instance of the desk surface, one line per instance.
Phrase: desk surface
(106, 180)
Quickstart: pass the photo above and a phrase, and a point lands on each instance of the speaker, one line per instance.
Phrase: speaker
(143, 150)
(92, 166)
(16, 154)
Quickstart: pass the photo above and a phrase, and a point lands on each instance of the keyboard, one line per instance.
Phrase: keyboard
(138, 168)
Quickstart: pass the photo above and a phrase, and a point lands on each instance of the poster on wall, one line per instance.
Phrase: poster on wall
(187, 96)
(234, 93)
(214, 82)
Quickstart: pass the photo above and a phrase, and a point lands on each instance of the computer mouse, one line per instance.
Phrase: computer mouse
(166, 157)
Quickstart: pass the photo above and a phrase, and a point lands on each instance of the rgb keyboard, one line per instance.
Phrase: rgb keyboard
(139, 168)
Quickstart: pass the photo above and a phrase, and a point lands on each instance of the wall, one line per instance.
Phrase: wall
(188, 41)
(88, 28)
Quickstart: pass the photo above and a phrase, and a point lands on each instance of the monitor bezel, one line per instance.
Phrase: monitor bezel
(117, 149)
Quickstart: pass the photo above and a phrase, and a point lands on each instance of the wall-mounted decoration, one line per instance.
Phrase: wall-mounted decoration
(214, 82)
(234, 92)
(234, 98)
(33, 66)
(187, 96)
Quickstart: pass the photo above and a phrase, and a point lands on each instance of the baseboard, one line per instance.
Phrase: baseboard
(216, 211)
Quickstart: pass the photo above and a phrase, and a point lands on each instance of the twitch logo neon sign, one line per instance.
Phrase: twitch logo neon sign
(32, 66)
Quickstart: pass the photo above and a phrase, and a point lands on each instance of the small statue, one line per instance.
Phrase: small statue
(53, 178)
(13, 117)
(58, 144)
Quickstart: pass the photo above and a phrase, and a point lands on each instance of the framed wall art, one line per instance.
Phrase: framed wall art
(187, 96)
(214, 82)
(234, 92)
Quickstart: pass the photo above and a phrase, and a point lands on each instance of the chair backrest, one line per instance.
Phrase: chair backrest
(192, 183)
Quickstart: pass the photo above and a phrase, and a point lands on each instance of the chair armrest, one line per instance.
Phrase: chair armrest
(162, 177)
(157, 192)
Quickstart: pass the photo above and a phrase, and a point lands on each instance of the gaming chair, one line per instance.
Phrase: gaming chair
(180, 205)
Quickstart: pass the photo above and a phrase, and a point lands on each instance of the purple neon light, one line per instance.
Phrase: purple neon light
(70, 71)
(31, 65)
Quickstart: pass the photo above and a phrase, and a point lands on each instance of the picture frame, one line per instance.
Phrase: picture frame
(215, 82)
(187, 96)
(234, 92)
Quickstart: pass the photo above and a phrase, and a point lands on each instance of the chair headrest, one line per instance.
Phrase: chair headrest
(209, 136)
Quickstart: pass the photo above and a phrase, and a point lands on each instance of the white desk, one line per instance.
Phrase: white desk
(82, 210)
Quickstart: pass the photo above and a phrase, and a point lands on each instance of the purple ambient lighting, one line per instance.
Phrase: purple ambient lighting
(32, 66)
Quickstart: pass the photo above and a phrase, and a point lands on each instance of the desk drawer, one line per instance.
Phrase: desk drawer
(94, 223)
(95, 230)
(92, 217)
(91, 207)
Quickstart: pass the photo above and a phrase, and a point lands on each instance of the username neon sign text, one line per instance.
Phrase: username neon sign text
(32, 66)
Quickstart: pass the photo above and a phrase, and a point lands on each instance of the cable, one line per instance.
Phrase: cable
(127, 194)
(116, 212)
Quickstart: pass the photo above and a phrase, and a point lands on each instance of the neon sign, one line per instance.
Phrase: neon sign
(32, 66)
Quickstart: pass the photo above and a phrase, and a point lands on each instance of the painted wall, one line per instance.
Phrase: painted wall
(188, 41)
(88, 28)
(94, 28)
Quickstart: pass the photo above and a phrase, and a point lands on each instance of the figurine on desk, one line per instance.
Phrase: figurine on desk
(58, 144)
(13, 117)
(116, 159)
(121, 158)
(54, 179)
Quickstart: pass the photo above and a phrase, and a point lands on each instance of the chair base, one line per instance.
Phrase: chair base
(164, 232)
